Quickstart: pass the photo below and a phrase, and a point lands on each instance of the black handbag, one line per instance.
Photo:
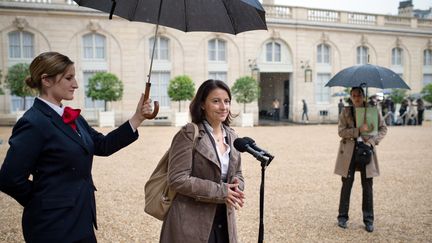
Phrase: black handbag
(363, 153)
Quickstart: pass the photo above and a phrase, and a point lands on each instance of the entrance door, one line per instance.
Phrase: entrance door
(286, 99)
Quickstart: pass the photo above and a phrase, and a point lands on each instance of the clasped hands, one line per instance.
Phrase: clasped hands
(235, 196)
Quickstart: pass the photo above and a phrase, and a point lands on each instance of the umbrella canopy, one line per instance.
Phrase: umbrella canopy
(226, 16)
(367, 75)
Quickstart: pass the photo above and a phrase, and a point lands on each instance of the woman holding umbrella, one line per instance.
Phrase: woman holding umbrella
(346, 164)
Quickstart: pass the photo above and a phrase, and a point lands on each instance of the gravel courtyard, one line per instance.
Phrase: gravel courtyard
(301, 191)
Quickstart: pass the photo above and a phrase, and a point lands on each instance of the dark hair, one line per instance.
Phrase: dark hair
(49, 63)
(358, 88)
(195, 107)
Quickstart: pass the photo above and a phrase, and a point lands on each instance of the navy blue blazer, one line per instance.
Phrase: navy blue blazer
(47, 169)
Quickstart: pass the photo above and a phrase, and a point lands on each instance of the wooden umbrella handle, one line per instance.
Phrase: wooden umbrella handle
(156, 103)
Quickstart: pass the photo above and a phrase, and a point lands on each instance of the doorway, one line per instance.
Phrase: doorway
(274, 86)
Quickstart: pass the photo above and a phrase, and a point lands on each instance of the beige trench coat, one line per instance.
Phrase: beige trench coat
(200, 189)
(349, 133)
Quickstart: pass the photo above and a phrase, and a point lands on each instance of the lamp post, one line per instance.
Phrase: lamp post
(254, 69)
(307, 71)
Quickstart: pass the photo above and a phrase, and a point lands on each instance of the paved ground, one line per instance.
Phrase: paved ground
(301, 191)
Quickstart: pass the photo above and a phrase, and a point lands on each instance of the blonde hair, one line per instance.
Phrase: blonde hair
(49, 63)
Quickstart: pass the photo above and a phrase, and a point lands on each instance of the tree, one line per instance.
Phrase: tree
(181, 88)
(397, 95)
(427, 92)
(245, 90)
(15, 81)
(105, 86)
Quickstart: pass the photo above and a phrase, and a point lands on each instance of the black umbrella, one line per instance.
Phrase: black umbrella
(226, 16)
(367, 75)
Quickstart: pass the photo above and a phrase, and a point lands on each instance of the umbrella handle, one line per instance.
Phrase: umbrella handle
(156, 103)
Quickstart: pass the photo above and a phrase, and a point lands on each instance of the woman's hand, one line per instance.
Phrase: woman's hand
(235, 196)
(143, 108)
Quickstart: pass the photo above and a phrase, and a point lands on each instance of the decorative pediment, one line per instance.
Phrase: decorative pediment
(93, 26)
(324, 38)
(275, 34)
(20, 23)
(363, 40)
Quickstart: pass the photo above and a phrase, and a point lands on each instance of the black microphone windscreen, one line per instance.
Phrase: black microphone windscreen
(240, 144)
(249, 140)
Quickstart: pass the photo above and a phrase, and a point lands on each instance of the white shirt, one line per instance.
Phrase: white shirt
(224, 158)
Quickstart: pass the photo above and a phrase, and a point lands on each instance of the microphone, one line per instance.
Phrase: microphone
(253, 145)
(242, 145)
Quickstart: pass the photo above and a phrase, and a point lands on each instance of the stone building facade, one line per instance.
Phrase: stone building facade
(302, 49)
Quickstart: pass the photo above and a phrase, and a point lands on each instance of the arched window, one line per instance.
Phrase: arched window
(21, 45)
(362, 55)
(94, 46)
(273, 52)
(323, 54)
(217, 50)
(427, 57)
(397, 56)
(161, 48)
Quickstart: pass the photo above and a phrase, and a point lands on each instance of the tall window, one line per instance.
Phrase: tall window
(427, 57)
(222, 76)
(397, 56)
(322, 93)
(161, 48)
(160, 80)
(323, 54)
(21, 45)
(273, 52)
(94, 46)
(427, 79)
(217, 50)
(362, 55)
(89, 103)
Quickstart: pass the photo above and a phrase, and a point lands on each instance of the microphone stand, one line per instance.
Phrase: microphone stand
(264, 163)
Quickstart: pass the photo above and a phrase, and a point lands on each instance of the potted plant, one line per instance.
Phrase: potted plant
(107, 87)
(246, 90)
(181, 88)
(15, 83)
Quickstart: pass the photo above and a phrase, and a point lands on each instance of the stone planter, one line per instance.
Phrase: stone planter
(181, 118)
(246, 119)
(106, 119)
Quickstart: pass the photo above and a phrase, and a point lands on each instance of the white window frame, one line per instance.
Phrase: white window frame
(217, 50)
(95, 46)
(362, 55)
(21, 46)
(218, 75)
(162, 48)
(323, 54)
(397, 56)
(273, 52)
(322, 93)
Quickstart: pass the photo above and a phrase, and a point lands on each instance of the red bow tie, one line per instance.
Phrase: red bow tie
(70, 115)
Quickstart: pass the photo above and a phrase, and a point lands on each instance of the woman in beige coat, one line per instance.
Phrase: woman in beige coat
(207, 177)
(346, 164)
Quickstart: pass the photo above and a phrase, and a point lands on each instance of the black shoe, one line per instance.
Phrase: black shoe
(369, 228)
(342, 224)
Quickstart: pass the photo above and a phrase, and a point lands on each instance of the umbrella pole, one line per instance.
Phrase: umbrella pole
(148, 83)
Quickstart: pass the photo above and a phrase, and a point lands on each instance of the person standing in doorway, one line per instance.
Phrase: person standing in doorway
(276, 109)
(346, 164)
(340, 105)
(305, 111)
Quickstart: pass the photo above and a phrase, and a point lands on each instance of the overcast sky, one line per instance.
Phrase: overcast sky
(364, 6)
